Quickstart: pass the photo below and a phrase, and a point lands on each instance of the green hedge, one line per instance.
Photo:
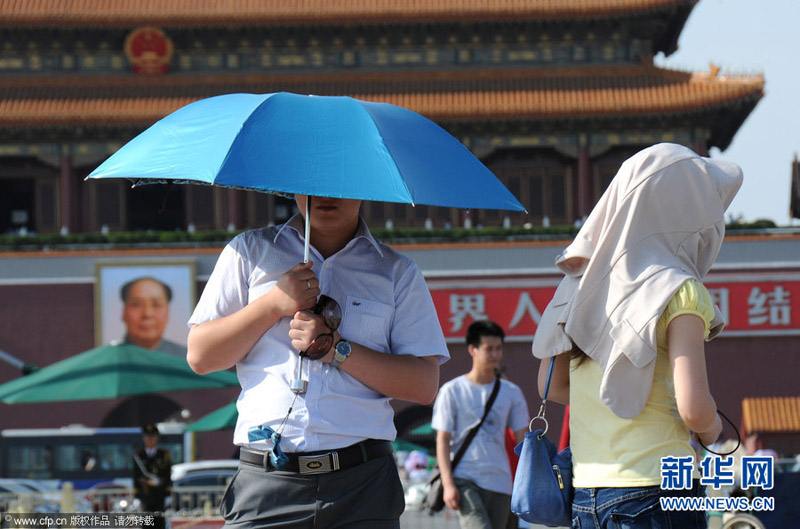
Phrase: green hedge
(150, 239)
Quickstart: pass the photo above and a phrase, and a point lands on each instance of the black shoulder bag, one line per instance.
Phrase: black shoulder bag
(434, 501)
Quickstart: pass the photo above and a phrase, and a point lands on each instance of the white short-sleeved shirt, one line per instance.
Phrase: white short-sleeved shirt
(386, 306)
(459, 407)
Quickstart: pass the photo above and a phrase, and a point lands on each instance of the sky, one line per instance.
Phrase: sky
(753, 37)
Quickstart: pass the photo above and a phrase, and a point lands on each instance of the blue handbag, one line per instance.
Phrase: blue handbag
(543, 490)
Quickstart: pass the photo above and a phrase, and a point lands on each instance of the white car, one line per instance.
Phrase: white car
(204, 473)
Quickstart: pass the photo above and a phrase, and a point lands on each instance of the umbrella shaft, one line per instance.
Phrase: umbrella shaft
(308, 232)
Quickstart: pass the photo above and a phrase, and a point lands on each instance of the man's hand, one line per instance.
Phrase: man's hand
(452, 498)
(305, 327)
(297, 289)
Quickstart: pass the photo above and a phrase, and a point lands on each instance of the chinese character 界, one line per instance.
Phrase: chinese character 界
(462, 306)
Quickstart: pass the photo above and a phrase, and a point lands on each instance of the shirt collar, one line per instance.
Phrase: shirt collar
(297, 224)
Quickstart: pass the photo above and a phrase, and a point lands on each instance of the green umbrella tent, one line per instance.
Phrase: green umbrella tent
(221, 419)
(109, 372)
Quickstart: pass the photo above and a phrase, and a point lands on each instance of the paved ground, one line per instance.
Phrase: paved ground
(447, 519)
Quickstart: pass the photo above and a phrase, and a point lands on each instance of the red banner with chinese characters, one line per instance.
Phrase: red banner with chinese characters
(750, 307)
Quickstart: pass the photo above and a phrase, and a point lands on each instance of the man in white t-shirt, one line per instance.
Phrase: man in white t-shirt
(480, 486)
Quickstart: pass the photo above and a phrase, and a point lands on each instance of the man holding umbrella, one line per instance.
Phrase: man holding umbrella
(315, 428)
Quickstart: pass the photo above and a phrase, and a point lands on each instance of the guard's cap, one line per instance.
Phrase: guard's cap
(149, 429)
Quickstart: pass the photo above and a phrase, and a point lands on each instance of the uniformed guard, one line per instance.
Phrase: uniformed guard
(152, 467)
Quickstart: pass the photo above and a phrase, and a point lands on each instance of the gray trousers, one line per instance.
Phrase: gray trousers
(481, 508)
(367, 496)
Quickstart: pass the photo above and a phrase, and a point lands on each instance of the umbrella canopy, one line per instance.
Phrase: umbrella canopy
(425, 429)
(109, 372)
(331, 146)
(221, 419)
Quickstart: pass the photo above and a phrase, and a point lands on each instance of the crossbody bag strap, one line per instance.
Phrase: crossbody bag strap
(474, 430)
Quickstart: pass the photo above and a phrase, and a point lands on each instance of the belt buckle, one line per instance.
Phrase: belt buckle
(318, 464)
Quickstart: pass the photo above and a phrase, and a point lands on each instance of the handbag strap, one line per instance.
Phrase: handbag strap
(543, 407)
(549, 376)
(738, 438)
(471, 435)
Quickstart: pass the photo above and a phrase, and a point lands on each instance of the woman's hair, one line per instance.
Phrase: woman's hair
(577, 354)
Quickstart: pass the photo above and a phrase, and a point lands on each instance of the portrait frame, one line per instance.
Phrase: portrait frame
(108, 304)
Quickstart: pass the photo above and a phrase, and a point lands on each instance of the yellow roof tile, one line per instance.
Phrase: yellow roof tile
(250, 12)
(771, 414)
(448, 96)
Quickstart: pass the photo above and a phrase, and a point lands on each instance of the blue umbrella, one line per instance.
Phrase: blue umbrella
(329, 146)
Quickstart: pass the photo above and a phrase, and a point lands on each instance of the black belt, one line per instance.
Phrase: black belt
(320, 462)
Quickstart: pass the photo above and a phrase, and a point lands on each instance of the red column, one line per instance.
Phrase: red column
(234, 200)
(584, 179)
(67, 195)
(700, 148)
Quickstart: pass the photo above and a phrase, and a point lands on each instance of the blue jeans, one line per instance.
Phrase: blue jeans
(633, 508)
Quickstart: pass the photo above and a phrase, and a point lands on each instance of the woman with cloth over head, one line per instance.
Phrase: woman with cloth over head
(627, 326)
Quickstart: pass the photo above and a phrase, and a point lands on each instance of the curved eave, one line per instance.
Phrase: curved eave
(197, 13)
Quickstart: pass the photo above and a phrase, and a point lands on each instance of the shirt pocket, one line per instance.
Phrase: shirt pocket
(367, 322)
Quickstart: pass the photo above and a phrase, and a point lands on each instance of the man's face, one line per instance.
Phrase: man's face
(150, 440)
(488, 353)
(331, 214)
(146, 313)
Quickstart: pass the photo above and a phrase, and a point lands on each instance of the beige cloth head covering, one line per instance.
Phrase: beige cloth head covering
(660, 222)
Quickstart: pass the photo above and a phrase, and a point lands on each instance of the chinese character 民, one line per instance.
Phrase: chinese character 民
(721, 298)
(676, 472)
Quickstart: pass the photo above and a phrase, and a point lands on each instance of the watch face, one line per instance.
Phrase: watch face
(343, 348)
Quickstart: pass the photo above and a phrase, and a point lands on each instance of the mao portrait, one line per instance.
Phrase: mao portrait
(145, 305)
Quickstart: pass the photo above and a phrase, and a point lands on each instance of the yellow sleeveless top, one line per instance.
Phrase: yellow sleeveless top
(609, 451)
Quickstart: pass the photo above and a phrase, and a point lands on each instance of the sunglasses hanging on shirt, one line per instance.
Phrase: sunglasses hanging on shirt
(331, 313)
(332, 316)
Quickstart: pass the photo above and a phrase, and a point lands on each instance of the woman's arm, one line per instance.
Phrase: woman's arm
(559, 382)
(696, 406)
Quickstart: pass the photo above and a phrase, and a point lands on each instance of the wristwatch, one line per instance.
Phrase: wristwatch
(341, 352)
